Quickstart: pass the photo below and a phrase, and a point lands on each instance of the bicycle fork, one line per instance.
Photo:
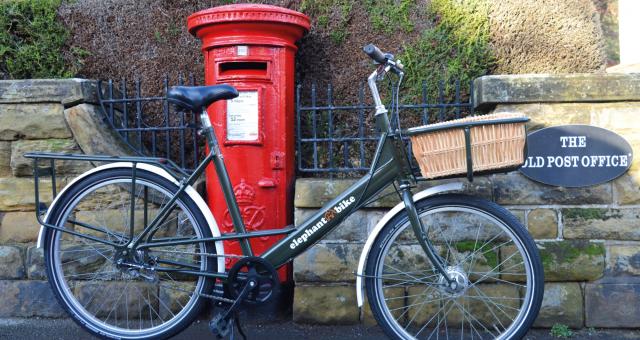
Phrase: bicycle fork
(419, 231)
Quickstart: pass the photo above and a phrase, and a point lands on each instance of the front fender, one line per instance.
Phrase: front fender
(193, 194)
(457, 186)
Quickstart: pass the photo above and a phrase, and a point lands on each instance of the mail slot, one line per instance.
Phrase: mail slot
(252, 47)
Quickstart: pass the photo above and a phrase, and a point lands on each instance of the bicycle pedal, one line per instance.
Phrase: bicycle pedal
(220, 327)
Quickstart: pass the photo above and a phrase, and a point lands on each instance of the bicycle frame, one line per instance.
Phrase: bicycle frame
(390, 164)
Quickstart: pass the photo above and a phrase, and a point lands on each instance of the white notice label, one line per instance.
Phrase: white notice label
(242, 117)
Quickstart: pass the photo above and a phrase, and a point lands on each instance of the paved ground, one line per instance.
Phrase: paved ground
(64, 329)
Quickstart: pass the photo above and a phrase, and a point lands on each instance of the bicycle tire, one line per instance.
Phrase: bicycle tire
(399, 308)
(70, 292)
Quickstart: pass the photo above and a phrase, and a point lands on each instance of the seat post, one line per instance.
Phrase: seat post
(225, 181)
(207, 130)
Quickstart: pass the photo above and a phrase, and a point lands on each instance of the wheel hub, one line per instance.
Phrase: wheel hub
(459, 282)
(135, 264)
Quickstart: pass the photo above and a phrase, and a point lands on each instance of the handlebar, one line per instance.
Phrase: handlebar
(382, 58)
(374, 53)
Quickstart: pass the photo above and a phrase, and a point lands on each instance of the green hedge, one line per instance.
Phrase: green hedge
(32, 41)
(456, 47)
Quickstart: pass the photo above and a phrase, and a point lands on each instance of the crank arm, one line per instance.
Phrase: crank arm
(243, 294)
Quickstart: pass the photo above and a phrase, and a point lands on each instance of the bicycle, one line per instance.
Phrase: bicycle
(132, 251)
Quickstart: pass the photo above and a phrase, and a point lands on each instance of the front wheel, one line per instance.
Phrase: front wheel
(497, 277)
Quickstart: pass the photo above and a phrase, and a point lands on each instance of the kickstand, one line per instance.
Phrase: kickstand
(223, 324)
(236, 318)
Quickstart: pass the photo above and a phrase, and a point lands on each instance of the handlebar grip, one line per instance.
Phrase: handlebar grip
(372, 51)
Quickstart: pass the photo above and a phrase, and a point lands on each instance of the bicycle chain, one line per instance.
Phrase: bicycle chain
(200, 254)
(208, 296)
(204, 295)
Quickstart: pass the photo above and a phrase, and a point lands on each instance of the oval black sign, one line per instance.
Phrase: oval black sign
(576, 156)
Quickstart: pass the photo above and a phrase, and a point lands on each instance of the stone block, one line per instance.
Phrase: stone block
(173, 297)
(5, 158)
(25, 299)
(562, 303)
(92, 133)
(612, 305)
(515, 189)
(11, 263)
(519, 214)
(626, 188)
(561, 88)
(117, 220)
(543, 223)
(32, 121)
(18, 227)
(546, 115)
(21, 166)
(328, 262)
(425, 304)
(18, 193)
(623, 260)
(136, 297)
(394, 296)
(600, 223)
(572, 260)
(35, 264)
(354, 228)
(619, 116)
(329, 305)
(66, 91)
(315, 192)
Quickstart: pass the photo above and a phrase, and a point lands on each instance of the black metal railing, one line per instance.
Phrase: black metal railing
(335, 138)
(330, 138)
(149, 125)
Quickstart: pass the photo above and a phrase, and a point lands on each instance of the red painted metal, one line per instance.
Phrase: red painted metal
(252, 47)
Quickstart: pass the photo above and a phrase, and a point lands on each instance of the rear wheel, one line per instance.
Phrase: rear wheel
(113, 292)
(497, 274)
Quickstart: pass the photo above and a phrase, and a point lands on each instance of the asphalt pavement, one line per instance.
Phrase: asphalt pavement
(66, 329)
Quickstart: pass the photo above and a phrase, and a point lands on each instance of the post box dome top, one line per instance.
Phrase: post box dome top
(247, 13)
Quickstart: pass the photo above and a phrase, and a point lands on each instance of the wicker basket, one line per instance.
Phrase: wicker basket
(496, 141)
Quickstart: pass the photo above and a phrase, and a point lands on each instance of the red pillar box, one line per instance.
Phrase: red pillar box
(252, 47)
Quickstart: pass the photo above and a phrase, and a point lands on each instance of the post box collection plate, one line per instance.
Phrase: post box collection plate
(243, 117)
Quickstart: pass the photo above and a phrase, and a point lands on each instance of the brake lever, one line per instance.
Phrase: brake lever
(381, 71)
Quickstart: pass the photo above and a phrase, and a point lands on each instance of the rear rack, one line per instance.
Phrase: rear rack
(50, 170)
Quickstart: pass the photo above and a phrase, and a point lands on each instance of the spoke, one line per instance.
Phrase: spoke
(435, 329)
(471, 318)
(400, 271)
(495, 304)
(115, 304)
(475, 245)
(493, 270)
(94, 274)
(488, 242)
(491, 310)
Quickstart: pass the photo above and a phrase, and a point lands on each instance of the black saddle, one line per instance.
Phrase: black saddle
(196, 98)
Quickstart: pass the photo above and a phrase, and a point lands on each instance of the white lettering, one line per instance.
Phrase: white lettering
(582, 141)
(574, 141)
(584, 161)
(321, 223)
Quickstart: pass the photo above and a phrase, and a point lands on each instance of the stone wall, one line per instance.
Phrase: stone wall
(588, 238)
(39, 115)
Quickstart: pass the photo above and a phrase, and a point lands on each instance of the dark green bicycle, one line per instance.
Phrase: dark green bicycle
(132, 251)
